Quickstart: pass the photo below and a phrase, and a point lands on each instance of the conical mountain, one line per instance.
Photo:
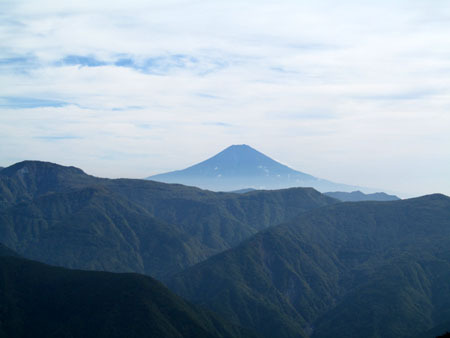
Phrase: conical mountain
(240, 167)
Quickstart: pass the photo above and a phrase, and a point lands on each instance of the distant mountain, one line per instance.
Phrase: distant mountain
(42, 301)
(241, 167)
(357, 196)
(367, 269)
(62, 216)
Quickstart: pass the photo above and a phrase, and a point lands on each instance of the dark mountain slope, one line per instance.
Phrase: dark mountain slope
(358, 196)
(5, 251)
(37, 300)
(440, 331)
(241, 167)
(368, 269)
(80, 221)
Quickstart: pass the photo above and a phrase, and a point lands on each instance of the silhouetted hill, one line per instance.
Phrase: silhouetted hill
(61, 216)
(38, 300)
(372, 269)
(241, 167)
(358, 196)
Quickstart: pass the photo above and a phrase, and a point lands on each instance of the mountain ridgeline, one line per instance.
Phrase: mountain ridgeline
(358, 196)
(241, 167)
(41, 301)
(62, 216)
(366, 269)
(280, 263)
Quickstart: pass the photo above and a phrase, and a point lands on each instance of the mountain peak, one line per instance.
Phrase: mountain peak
(240, 166)
(238, 158)
(239, 146)
(234, 147)
(32, 167)
(37, 177)
(241, 150)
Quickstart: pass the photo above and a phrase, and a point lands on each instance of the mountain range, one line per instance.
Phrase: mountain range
(242, 167)
(366, 269)
(266, 263)
(62, 216)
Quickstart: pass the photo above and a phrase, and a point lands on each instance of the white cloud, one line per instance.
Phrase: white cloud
(354, 91)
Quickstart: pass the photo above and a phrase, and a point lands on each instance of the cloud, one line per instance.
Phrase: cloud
(328, 88)
(78, 60)
(16, 61)
(57, 138)
(217, 124)
(28, 102)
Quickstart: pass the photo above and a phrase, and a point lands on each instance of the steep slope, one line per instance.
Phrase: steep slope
(75, 220)
(37, 300)
(241, 167)
(368, 269)
(358, 196)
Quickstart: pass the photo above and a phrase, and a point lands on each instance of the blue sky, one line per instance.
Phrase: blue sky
(357, 92)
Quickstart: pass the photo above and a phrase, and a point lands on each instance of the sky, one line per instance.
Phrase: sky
(357, 92)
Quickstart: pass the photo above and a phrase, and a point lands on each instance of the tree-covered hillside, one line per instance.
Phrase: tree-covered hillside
(366, 269)
(60, 215)
(41, 301)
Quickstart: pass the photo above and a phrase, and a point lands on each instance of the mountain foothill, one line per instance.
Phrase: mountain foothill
(85, 256)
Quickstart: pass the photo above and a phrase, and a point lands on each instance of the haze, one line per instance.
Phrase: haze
(355, 92)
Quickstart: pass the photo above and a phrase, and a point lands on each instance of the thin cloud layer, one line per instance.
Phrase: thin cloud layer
(356, 92)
